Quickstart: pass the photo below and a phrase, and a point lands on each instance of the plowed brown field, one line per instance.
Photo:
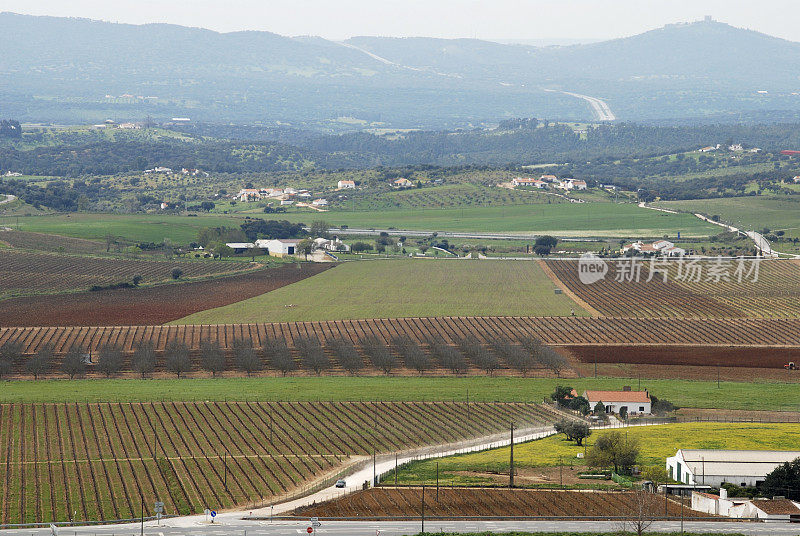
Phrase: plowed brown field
(458, 502)
(153, 305)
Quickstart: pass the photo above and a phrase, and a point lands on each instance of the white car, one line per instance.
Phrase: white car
(340, 483)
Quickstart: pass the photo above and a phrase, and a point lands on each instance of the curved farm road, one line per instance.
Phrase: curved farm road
(9, 198)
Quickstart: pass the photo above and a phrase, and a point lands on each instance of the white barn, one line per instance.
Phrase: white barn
(279, 247)
(717, 467)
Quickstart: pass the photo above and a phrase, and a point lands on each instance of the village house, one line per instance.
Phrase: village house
(775, 510)
(796, 179)
(634, 402)
(525, 181)
(343, 185)
(334, 244)
(572, 184)
(549, 178)
(717, 467)
(320, 202)
(402, 183)
(661, 247)
(248, 194)
(279, 247)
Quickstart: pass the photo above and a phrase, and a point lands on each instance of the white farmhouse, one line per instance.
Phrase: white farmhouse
(279, 247)
(717, 467)
(634, 402)
(343, 185)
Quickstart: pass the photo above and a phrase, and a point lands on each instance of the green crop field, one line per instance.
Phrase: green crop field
(562, 219)
(131, 227)
(752, 212)
(684, 393)
(404, 288)
(656, 443)
(599, 219)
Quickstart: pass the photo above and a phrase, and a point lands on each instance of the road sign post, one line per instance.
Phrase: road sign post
(213, 515)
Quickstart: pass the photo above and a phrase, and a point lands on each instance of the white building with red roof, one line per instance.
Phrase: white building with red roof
(634, 402)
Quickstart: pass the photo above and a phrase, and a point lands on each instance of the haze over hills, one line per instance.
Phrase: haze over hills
(62, 69)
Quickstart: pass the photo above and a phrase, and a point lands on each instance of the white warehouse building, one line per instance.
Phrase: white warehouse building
(717, 467)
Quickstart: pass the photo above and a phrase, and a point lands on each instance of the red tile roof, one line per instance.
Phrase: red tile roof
(618, 396)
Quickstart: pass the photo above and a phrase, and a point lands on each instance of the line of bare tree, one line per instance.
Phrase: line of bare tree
(523, 355)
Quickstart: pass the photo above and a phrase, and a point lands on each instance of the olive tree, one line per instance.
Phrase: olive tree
(10, 352)
(110, 360)
(73, 364)
(346, 354)
(39, 364)
(143, 359)
(212, 358)
(245, 356)
(177, 358)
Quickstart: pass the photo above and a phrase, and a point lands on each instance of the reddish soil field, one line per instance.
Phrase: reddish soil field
(456, 502)
(152, 305)
(727, 356)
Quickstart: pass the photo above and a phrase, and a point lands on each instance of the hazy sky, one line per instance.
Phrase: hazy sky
(486, 19)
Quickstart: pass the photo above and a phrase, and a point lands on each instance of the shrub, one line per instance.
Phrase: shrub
(176, 273)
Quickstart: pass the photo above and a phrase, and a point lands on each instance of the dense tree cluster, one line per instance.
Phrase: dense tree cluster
(10, 128)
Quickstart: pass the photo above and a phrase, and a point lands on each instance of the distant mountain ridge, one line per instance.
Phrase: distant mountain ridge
(61, 69)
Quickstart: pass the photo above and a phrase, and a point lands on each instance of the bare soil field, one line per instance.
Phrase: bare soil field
(697, 355)
(151, 305)
(51, 243)
(24, 273)
(683, 372)
(384, 503)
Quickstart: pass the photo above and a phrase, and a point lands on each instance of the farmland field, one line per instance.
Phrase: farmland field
(404, 288)
(384, 503)
(150, 305)
(36, 273)
(562, 219)
(754, 395)
(749, 212)
(775, 293)
(656, 443)
(51, 243)
(569, 331)
(94, 461)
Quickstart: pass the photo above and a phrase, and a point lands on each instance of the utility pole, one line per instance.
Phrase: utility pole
(423, 508)
(141, 498)
(395, 469)
(511, 464)
(225, 480)
(374, 469)
(437, 482)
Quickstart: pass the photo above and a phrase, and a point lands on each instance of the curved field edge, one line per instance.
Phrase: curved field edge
(684, 393)
(404, 288)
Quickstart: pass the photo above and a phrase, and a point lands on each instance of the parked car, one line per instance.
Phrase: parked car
(341, 483)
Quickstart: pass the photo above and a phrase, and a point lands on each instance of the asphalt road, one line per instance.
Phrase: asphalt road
(398, 528)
